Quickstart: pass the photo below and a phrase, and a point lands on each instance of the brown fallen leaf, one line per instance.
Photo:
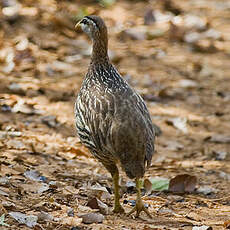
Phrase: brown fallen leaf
(72, 221)
(45, 216)
(203, 227)
(218, 138)
(227, 224)
(97, 190)
(90, 218)
(176, 33)
(15, 144)
(183, 183)
(77, 151)
(6, 170)
(50, 121)
(149, 17)
(95, 203)
(179, 123)
(3, 193)
(205, 46)
(170, 6)
(23, 107)
(147, 185)
(16, 88)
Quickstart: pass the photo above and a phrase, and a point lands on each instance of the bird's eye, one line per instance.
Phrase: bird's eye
(84, 21)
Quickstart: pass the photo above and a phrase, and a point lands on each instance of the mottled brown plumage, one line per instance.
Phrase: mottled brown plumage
(112, 120)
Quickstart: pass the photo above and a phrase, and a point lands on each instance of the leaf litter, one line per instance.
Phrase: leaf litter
(29, 220)
(178, 60)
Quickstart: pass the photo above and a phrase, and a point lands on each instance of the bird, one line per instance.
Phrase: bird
(112, 119)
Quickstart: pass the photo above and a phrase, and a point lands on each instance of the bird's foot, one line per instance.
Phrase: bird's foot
(139, 207)
(118, 209)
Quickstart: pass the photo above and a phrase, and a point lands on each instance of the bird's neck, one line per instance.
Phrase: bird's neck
(100, 51)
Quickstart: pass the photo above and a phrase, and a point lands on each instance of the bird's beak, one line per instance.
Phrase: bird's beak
(76, 26)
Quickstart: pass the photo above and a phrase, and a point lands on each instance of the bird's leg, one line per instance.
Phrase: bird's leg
(117, 206)
(112, 168)
(139, 207)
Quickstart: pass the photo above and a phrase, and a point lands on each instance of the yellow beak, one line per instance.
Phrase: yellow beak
(77, 24)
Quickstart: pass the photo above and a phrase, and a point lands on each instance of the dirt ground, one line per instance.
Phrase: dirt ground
(174, 53)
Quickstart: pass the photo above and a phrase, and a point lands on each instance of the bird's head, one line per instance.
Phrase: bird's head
(94, 26)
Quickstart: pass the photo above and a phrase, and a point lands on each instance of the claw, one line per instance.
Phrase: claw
(139, 207)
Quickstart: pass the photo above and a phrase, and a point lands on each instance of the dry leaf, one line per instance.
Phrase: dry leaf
(72, 221)
(22, 107)
(44, 216)
(218, 138)
(29, 220)
(206, 190)
(44, 187)
(183, 183)
(99, 191)
(227, 224)
(34, 175)
(180, 123)
(3, 193)
(203, 227)
(95, 203)
(186, 83)
(50, 120)
(149, 17)
(147, 185)
(15, 144)
(92, 218)
(174, 145)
